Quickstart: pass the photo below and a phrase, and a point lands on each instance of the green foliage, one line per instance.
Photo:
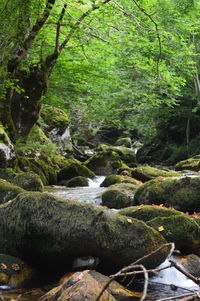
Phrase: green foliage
(50, 150)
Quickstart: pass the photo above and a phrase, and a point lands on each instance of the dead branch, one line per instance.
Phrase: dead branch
(193, 295)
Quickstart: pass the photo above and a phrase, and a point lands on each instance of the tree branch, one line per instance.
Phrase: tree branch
(78, 22)
(58, 28)
(18, 55)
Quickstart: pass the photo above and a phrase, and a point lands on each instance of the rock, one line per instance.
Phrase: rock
(146, 213)
(181, 230)
(119, 196)
(74, 169)
(37, 136)
(50, 231)
(80, 286)
(146, 173)
(8, 191)
(189, 164)
(87, 262)
(78, 181)
(14, 273)
(104, 163)
(182, 193)
(29, 181)
(88, 285)
(7, 153)
(7, 174)
(115, 179)
(126, 141)
(191, 263)
(127, 155)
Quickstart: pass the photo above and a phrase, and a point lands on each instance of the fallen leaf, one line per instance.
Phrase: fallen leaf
(161, 228)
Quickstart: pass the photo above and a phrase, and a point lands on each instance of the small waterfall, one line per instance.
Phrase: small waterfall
(96, 182)
(171, 276)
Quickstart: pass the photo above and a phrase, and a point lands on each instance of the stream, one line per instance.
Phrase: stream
(168, 283)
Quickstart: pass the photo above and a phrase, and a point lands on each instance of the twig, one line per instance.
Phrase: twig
(195, 294)
(190, 276)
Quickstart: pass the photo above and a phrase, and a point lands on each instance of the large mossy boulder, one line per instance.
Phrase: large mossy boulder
(78, 181)
(146, 213)
(74, 168)
(181, 193)
(29, 181)
(146, 173)
(115, 179)
(181, 230)
(37, 135)
(8, 191)
(14, 273)
(50, 231)
(189, 164)
(127, 155)
(105, 163)
(119, 196)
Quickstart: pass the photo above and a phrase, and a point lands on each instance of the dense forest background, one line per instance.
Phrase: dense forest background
(128, 64)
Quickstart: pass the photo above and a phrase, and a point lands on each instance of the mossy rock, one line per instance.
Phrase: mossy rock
(181, 230)
(54, 117)
(37, 135)
(60, 230)
(125, 141)
(78, 181)
(146, 213)
(29, 181)
(182, 194)
(75, 169)
(105, 163)
(146, 173)
(115, 179)
(127, 155)
(14, 272)
(189, 164)
(119, 196)
(8, 191)
(7, 174)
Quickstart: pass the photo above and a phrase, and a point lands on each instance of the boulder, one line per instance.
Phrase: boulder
(88, 285)
(78, 181)
(191, 263)
(124, 141)
(181, 230)
(189, 164)
(115, 179)
(51, 231)
(127, 155)
(29, 181)
(14, 272)
(119, 196)
(104, 163)
(8, 191)
(146, 213)
(74, 169)
(146, 173)
(181, 193)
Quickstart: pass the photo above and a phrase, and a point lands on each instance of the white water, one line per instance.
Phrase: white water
(171, 276)
(90, 194)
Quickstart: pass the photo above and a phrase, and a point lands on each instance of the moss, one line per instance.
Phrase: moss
(3, 136)
(182, 230)
(61, 229)
(182, 193)
(7, 174)
(189, 164)
(8, 191)
(125, 141)
(146, 213)
(114, 179)
(29, 181)
(37, 135)
(78, 181)
(73, 170)
(104, 163)
(54, 117)
(119, 196)
(146, 173)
